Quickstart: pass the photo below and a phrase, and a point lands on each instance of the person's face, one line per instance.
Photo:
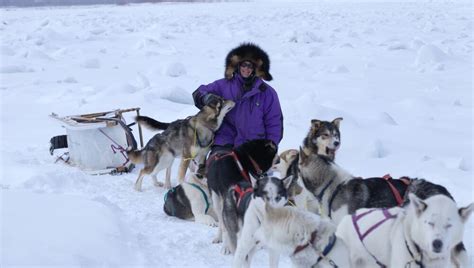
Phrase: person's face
(246, 69)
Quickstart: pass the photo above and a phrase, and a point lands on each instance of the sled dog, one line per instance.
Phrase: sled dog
(422, 234)
(188, 138)
(226, 169)
(190, 200)
(305, 237)
(323, 138)
(243, 196)
(339, 193)
(287, 165)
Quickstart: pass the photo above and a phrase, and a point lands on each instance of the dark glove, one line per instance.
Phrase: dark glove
(210, 98)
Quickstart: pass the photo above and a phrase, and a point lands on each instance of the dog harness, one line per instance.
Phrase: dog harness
(310, 242)
(395, 192)
(362, 236)
(243, 172)
(204, 195)
(417, 262)
(243, 192)
(326, 250)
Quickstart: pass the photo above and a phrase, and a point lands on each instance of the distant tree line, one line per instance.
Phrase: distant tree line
(29, 3)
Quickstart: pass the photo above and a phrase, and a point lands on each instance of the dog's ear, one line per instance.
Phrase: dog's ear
(303, 155)
(337, 121)
(465, 212)
(287, 182)
(315, 125)
(254, 181)
(418, 204)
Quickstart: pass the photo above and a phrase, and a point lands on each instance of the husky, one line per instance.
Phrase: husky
(287, 165)
(226, 169)
(339, 193)
(422, 234)
(305, 237)
(323, 138)
(188, 138)
(191, 200)
(266, 189)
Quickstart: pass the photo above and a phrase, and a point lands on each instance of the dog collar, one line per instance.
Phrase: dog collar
(327, 249)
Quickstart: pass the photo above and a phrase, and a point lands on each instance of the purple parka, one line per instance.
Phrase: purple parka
(256, 115)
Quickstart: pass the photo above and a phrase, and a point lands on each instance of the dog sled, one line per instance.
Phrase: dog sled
(97, 142)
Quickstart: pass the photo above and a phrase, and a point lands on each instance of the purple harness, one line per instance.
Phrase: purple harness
(356, 218)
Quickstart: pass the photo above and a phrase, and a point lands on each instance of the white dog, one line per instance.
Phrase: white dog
(303, 236)
(422, 234)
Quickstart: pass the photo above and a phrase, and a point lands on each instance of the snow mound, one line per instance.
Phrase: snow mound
(339, 69)
(178, 95)
(387, 119)
(36, 225)
(93, 63)
(465, 164)
(37, 54)
(175, 69)
(379, 150)
(7, 51)
(9, 69)
(429, 54)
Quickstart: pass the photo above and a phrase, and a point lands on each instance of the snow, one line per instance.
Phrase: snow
(399, 73)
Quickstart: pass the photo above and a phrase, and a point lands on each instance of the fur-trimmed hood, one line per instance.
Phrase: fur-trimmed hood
(248, 52)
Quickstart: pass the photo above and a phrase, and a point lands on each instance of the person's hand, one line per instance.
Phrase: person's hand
(210, 98)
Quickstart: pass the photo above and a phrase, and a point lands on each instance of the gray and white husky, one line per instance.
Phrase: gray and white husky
(188, 139)
(339, 193)
(303, 236)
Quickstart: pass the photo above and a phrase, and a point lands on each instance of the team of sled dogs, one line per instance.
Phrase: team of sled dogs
(300, 203)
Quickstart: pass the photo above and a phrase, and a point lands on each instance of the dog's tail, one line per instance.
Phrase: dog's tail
(177, 204)
(151, 123)
(135, 155)
(231, 218)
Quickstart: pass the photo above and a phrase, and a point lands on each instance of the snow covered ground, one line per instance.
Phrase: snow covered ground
(399, 73)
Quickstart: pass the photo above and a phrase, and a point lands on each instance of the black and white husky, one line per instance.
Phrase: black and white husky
(191, 200)
(245, 197)
(226, 169)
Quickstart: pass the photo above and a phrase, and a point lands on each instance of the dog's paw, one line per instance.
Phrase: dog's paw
(167, 186)
(206, 219)
(158, 184)
(225, 250)
(138, 188)
(217, 240)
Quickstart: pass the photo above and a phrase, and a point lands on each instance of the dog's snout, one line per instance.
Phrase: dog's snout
(437, 245)
(336, 143)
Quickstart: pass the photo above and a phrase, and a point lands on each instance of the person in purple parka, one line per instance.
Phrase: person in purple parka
(257, 113)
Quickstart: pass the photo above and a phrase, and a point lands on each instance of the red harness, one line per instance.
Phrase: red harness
(240, 193)
(310, 242)
(395, 192)
(243, 172)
